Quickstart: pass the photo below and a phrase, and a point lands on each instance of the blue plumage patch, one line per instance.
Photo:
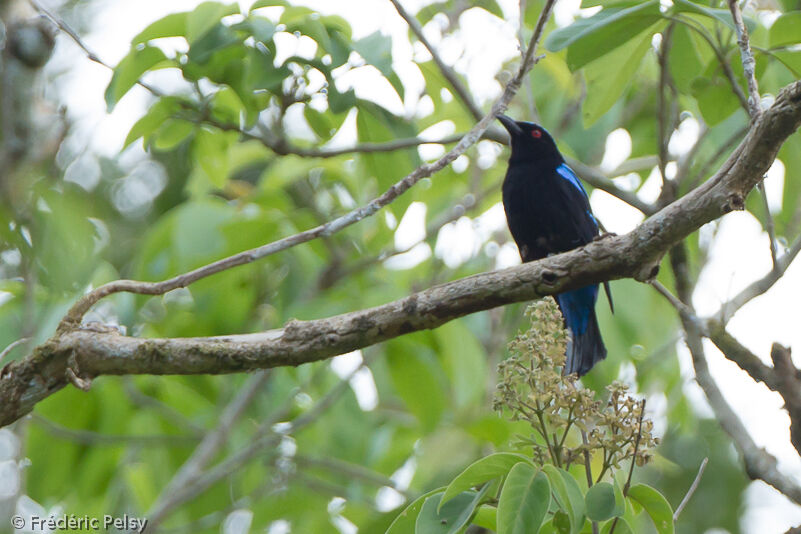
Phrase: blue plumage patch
(577, 305)
(568, 174)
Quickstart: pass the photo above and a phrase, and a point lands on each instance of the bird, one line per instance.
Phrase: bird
(548, 212)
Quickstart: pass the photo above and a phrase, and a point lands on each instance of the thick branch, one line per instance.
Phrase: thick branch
(759, 463)
(744, 358)
(25, 382)
(789, 386)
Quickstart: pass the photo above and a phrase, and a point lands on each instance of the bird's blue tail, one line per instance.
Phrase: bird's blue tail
(586, 347)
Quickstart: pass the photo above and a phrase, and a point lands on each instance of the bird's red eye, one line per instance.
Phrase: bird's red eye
(536, 134)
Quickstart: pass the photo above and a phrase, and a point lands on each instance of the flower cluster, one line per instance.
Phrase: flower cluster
(570, 424)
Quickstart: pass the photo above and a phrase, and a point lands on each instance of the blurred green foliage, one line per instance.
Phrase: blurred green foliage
(237, 148)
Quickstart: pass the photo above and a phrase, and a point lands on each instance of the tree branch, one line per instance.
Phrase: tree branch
(744, 358)
(92, 353)
(759, 287)
(759, 463)
(596, 179)
(690, 491)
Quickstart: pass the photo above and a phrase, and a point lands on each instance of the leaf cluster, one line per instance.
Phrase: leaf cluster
(510, 493)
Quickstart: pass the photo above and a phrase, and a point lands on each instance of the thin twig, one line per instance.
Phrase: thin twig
(724, 63)
(166, 411)
(348, 470)
(690, 491)
(770, 226)
(449, 74)
(754, 108)
(214, 440)
(722, 149)
(749, 64)
(266, 438)
(684, 310)
(687, 159)
(66, 28)
(588, 472)
(12, 346)
(89, 437)
(759, 287)
(627, 485)
(596, 179)
(663, 136)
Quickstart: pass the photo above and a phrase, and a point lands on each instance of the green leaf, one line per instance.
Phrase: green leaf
(608, 76)
(786, 30)
(790, 155)
(790, 59)
(592, 3)
(211, 152)
(722, 15)
(568, 496)
(684, 61)
(173, 25)
(620, 500)
(622, 527)
(138, 61)
(595, 36)
(205, 16)
(226, 106)
(561, 523)
(655, 505)
(172, 134)
(483, 470)
(715, 98)
(448, 518)
(525, 499)
(262, 28)
(486, 517)
(601, 503)
(414, 376)
(262, 73)
(269, 3)
(324, 124)
(376, 49)
(428, 12)
(490, 6)
(396, 83)
(404, 523)
(152, 120)
(464, 361)
(219, 36)
(375, 124)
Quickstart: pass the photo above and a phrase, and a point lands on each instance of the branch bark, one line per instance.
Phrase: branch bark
(90, 353)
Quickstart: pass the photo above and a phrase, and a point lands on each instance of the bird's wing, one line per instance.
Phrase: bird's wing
(567, 173)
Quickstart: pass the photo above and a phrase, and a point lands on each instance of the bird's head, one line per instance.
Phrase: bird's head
(529, 141)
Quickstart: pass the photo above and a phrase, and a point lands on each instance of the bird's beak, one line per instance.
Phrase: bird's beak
(510, 125)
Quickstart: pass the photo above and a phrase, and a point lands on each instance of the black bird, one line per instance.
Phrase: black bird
(548, 212)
